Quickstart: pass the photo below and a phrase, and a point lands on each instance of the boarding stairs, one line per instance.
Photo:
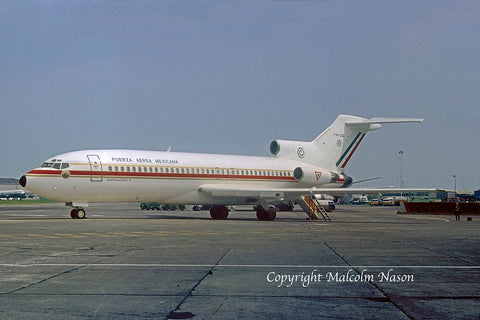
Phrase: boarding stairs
(313, 209)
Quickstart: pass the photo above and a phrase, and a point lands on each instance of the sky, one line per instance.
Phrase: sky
(231, 76)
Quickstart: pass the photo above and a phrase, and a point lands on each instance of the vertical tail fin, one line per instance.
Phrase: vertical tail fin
(334, 147)
(339, 141)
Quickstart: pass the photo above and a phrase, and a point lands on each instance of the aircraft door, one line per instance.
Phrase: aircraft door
(96, 169)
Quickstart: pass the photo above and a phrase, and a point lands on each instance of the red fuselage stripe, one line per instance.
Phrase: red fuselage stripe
(110, 174)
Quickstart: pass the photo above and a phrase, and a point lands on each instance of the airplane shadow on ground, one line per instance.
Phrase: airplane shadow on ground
(230, 217)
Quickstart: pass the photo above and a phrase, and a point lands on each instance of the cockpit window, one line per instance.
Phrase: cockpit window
(65, 165)
(57, 165)
(47, 165)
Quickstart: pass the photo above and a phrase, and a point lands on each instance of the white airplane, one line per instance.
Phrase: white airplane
(296, 171)
(12, 194)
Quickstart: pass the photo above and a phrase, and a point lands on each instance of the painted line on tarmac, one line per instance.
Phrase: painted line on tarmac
(159, 233)
(259, 266)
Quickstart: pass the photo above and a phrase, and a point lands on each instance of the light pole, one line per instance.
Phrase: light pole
(455, 186)
(402, 184)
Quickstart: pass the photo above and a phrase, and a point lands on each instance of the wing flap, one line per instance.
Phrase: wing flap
(235, 191)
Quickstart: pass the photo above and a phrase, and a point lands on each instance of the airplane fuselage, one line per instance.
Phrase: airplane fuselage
(167, 177)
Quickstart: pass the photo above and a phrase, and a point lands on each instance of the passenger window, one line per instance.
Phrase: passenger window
(123, 169)
(134, 169)
(150, 169)
(116, 168)
(109, 168)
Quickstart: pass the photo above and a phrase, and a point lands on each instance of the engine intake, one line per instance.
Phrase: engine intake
(298, 173)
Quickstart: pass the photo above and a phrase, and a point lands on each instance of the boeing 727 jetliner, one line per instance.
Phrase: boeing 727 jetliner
(297, 171)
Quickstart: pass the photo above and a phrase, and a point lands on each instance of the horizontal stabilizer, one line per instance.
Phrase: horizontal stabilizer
(364, 125)
(385, 120)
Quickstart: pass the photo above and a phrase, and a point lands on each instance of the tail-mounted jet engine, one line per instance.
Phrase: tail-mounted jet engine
(317, 177)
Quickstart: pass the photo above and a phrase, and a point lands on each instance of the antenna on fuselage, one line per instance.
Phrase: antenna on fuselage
(169, 148)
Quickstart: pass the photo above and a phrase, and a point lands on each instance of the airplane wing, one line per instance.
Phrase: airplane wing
(234, 191)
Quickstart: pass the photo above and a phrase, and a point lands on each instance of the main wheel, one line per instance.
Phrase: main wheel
(219, 212)
(270, 214)
(266, 215)
(261, 213)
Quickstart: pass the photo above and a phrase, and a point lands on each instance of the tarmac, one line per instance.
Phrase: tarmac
(124, 263)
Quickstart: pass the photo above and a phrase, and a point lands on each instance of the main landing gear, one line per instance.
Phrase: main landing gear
(78, 213)
(266, 215)
(219, 212)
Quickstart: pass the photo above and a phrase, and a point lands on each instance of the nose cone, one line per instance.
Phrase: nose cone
(23, 181)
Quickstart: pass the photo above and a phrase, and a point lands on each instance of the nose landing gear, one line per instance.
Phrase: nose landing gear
(78, 213)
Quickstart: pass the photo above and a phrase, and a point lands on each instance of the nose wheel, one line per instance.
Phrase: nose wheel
(78, 213)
